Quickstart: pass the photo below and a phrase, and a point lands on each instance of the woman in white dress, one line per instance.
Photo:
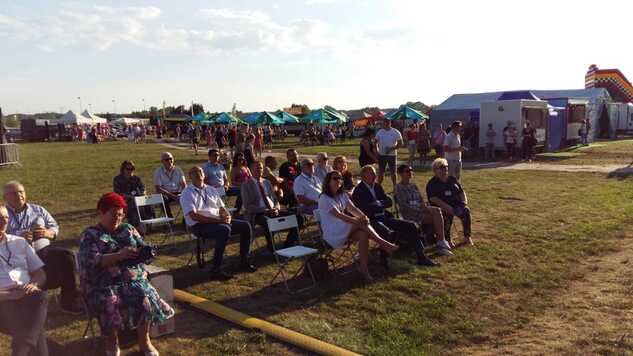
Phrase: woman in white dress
(339, 227)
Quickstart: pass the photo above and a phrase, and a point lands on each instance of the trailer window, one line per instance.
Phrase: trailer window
(576, 113)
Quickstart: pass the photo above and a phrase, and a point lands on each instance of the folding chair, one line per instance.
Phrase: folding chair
(345, 256)
(152, 201)
(286, 255)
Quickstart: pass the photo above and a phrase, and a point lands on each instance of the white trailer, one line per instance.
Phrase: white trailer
(519, 111)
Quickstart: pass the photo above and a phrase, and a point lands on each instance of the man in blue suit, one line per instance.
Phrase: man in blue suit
(369, 197)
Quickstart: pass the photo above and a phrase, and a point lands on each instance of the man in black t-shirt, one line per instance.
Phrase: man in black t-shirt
(445, 192)
(288, 171)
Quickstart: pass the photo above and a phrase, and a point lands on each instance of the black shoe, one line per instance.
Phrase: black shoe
(384, 260)
(219, 275)
(71, 308)
(425, 261)
(247, 267)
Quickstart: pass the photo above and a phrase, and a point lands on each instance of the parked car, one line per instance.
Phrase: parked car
(13, 134)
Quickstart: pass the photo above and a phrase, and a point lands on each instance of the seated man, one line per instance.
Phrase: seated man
(322, 168)
(214, 172)
(37, 226)
(23, 303)
(369, 197)
(307, 188)
(169, 181)
(270, 165)
(206, 215)
(260, 202)
(413, 208)
(445, 192)
(288, 171)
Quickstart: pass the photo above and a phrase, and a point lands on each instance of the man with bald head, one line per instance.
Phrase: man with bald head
(37, 226)
(169, 180)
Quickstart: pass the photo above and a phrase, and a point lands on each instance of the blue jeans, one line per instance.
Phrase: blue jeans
(221, 233)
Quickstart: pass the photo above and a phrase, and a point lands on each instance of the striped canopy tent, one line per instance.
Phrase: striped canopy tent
(263, 118)
(227, 118)
(287, 117)
(323, 117)
(405, 112)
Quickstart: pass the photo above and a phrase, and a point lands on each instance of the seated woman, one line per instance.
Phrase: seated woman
(239, 174)
(114, 280)
(270, 166)
(340, 165)
(23, 303)
(339, 227)
(129, 185)
(413, 208)
(445, 192)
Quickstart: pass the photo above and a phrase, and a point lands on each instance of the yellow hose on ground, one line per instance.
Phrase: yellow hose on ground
(281, 333)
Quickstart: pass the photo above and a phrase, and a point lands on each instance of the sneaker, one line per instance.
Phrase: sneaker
(444, 252)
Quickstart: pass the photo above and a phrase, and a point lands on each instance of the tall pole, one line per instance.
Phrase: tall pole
(79, 98)
(113, 106)
(90, 107)
(144, 108)
(3, 129)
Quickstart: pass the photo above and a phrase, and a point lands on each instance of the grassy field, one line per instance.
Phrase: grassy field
(531, 229)
(597, 153)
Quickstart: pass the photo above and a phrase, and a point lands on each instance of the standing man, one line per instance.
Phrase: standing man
(206, 215)
(453, 150)
(491, 136)
(214, 172)
(37, 226)
(169, 181)
(307, 188)
(389, 140)
(288, 171)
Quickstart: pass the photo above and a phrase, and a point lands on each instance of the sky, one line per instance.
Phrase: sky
(264, 55)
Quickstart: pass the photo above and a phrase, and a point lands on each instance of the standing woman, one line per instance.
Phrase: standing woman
(368, 148)
(339, 227)
(114, 280)
(412, 142)
(259, 142)
(424, 142)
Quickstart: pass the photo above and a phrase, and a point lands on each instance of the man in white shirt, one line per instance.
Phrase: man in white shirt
(389, 140)
(307, 188)
(169, 180)
(322, 168)
(453, 150)
(23, 303)
(208, 218)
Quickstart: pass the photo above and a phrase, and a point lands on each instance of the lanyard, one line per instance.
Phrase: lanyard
(202, 196)
(7, 260)
(169, 176)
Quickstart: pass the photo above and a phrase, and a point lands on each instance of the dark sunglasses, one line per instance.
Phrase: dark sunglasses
(129, 168)
(168, 159)
(337, 178)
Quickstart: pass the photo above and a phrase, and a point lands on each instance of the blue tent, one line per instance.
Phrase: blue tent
(323, 117)
(519, 94)
(287, 118)
(202, 118)
(264, 118)
(406, 112)
(226, 118)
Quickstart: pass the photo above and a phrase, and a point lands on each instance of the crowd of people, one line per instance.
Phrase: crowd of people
(114, 283)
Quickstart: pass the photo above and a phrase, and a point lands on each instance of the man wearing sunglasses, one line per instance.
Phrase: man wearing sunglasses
(169, 181)
(445, 192)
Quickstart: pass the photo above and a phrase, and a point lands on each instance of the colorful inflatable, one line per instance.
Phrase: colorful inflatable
(613, 80)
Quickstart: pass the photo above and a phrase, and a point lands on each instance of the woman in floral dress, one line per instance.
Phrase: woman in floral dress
(116, 290)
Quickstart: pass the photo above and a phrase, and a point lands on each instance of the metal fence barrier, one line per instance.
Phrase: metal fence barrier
(9, 154)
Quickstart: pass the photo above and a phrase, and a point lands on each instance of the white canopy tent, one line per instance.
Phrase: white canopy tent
(129, 121)
(95, 119)
(71, 118)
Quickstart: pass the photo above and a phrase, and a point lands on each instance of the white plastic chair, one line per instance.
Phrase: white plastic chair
(152, 201)
(285, 255)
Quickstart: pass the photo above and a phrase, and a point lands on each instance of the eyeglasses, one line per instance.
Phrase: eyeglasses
(337, 178)
(443, 167)
(168, 159)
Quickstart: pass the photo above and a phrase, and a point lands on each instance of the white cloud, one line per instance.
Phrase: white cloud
(217, 31)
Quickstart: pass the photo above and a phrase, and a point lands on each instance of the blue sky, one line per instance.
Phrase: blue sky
(264, 55)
